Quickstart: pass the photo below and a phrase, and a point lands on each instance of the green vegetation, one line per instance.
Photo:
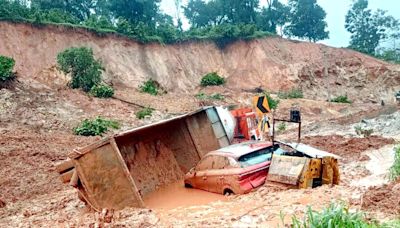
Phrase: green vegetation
(360, 131)
(292, 94)
(212, 79)
(6, 68)
(214, 96)
(369, 28)
(150, 86)
(102, 91)
(144, 112)
(311, 27)
(272, 103)
(220, 21)
(84, 69)
(341, 99)
(95, 127)
(395, 169)
(281, 127)
(336, 215)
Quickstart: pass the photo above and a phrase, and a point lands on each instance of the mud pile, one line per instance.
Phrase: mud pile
(385, 198)
(347, 148)
(272, 63)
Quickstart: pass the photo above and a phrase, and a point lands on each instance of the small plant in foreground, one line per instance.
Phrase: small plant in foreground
(214, 96)
(341, 99)
(335, 215)
(272, 103)
(6, 68)
(212, 79)
(395, 169)
(150, 86)
(102, 91)
(292, 94)
(281, 127)
(144, 112)
(95, 127)
(360, 131)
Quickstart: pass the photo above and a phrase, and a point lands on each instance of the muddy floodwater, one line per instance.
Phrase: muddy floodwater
(176, 195)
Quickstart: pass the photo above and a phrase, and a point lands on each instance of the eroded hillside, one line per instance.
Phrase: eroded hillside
(272, 63)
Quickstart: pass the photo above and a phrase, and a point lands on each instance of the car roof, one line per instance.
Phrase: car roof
(240, 149)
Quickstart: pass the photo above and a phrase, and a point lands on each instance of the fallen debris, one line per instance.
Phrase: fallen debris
(385, 198)
(348, 148)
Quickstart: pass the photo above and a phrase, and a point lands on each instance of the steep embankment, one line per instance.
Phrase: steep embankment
(272, 63)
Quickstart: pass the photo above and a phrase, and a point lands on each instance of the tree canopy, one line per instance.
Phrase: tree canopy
(307, 20)
(368, 28)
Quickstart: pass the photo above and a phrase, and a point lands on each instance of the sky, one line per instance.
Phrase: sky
(335, 9)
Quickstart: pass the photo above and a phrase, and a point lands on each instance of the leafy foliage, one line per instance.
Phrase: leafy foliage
(214, 96)
(212, 79)
(390, 55)
(292, 94)
(95, 127)
(80, 63)
(6, 68)
(144, 112)
(335, 215)
(150, 86)
(273, 16)
(102, 91)
(360, 131)
(307, 20)
(272, 103)
(281, 127)
(367, 28)
(341, 99)
(395, 169)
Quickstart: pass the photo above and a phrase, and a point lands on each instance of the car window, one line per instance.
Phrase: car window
(256, 157)
(220, 162)
(205, 163)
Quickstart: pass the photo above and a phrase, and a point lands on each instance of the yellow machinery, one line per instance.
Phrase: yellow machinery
(303, 166)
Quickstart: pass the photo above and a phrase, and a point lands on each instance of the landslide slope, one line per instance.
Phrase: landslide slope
(272, 63)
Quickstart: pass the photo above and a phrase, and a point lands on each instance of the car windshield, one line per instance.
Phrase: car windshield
(256, 157)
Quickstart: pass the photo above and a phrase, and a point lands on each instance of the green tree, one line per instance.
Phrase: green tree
(201, 13)
(307, 20)
(135, 11)
(367, 28)
(6, 68)
(81, 9)
(85, 70)
(273, 16)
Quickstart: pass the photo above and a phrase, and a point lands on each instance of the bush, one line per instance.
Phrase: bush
(150, 87)
(336, 215)
(212, 79)
(281, 127)
(214, 96)
(360, 131)
(6, 68)
(272, 103)
(95, 127)
(341, 99)
(292, 94)
(84, 69)
(144, 112)
(102, 91)
(217, 96)
(395, 169)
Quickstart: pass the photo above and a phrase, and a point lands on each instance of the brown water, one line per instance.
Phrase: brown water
(176, 195)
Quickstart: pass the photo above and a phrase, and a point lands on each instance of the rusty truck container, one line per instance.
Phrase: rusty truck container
(118, 171)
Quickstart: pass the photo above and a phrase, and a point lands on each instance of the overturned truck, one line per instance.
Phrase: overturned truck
(118, 171)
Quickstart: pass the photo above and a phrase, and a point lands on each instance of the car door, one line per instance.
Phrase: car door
(217, 175)
(201, 178)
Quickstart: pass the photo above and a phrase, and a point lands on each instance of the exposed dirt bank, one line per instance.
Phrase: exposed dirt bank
(271, 63)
